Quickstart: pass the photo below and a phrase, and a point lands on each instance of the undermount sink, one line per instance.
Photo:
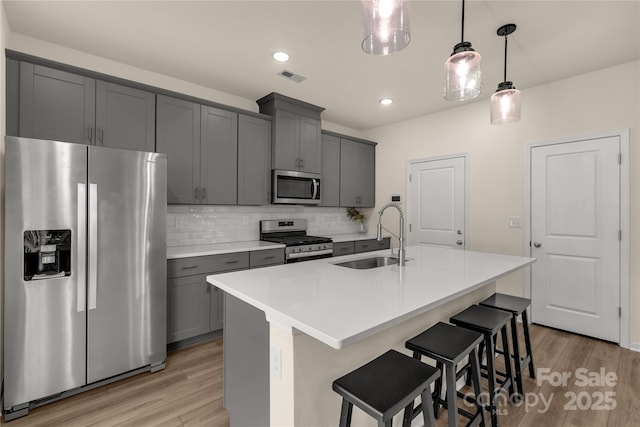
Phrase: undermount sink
(366, 263)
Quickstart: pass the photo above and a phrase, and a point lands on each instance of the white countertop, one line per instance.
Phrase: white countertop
(219, 248)
(338, 305)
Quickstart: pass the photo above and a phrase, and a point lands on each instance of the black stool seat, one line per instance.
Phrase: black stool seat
(507, 303)
(516, 306)
(386, 385)
(449, 345)
(490, 322)
(482, 319)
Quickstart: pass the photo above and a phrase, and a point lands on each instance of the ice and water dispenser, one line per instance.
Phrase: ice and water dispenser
(47, 254)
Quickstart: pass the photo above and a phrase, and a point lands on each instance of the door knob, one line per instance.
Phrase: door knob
(459, 232)
(459, 243)
(537, 245)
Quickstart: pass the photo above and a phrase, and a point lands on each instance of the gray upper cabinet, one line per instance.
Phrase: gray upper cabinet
(296, 133)
(178, 136)
(56, 105)
(201, 144)
(330, 186)
(125, 117)
(219, 156)
(357, 173)
(64, 106)
(254, 161)
(286, 142)
(310, 145)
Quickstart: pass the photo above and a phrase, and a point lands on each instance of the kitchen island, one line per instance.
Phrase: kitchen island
(291, 330)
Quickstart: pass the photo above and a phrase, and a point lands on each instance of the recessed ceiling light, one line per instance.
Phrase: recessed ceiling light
(280, 56)
(386, 101)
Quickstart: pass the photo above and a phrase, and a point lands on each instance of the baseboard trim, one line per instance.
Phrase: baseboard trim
(634, 346)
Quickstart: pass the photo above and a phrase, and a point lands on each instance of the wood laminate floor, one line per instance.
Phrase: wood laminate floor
(189, 391)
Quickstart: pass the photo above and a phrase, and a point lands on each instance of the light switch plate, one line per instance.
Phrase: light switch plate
(515, 222)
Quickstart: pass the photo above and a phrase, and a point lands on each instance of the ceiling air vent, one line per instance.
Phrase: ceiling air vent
(292, 76)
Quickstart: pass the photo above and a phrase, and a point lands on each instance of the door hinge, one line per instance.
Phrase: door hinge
(619, 158)
(620, 235)
(409, 177)
(409, 228)
(619, 311)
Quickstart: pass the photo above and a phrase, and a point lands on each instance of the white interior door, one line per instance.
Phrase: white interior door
(437, 202)
(575, 223)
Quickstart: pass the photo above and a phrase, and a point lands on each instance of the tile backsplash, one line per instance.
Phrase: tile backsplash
(198, 225)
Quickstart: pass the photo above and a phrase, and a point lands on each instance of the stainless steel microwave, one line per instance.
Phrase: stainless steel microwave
(297, 188)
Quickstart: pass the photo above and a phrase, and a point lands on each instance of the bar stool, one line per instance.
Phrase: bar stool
(386, 385)
(489, 322)
(516, 306)
(448, 346)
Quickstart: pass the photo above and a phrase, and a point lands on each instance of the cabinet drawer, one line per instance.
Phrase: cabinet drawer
(266, 257)
(207, 264)
(343, 248)
(372, 245)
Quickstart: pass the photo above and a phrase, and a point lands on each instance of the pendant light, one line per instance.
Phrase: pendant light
(505, 102)
(385, 26)
(463, 77)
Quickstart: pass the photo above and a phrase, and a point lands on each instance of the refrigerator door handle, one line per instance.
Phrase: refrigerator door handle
(81, 248)
(93, 245)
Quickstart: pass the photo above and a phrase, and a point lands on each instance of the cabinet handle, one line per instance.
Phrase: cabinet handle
(297, 163)
(232, 262)
(90, 133)
(269, 257)
(301, 163)
(195, 193)
(189, 267)
(204, 194)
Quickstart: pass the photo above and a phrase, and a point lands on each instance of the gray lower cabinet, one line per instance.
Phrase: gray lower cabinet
(63, 106)
(330, 187)
(201, 144)
(254, 161)
(359, 246)
(194, 307)
(266, 258)
(371, 245)
(343, 248)
(357, 173)
(188, 307)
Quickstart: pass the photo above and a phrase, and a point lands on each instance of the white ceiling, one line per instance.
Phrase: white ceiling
(227, 45)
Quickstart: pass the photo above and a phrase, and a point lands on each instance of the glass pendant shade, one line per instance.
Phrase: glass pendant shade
(385, 26)
(505, 104)
(463, 76)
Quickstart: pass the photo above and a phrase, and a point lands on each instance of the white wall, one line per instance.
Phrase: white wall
(599, 101)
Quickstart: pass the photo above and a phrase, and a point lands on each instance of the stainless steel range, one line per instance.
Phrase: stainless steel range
(293, 234)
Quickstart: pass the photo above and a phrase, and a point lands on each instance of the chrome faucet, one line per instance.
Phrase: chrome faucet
(401, 256)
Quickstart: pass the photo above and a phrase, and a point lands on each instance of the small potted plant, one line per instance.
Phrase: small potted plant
(355, 215)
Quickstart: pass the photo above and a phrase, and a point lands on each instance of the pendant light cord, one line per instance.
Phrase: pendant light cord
(505, 58)
(462, 32)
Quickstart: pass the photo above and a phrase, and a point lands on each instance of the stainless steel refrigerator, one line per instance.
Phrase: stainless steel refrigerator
(85, 267)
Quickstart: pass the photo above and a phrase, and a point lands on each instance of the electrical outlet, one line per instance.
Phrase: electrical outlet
(276, 362)
(515, 222)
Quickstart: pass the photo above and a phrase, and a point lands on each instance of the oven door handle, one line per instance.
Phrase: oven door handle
(314, 192)
(309, 254)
